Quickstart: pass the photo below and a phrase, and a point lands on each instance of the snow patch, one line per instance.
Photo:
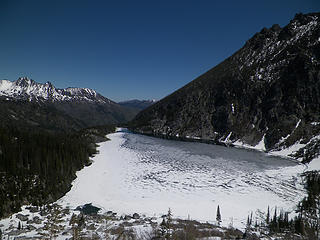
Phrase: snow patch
(283, 139)
(227, 139)
(286, 152)
(259, 147)
(232, 108)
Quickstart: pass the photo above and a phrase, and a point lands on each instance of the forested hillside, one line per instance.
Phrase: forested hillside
(38, 166)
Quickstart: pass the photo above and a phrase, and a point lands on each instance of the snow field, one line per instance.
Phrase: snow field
(126, 180)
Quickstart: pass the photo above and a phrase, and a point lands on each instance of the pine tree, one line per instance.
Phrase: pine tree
(248, 222)
(275, 216)
(169, 225)
(268, 216)
(165, 231)
(218, 218)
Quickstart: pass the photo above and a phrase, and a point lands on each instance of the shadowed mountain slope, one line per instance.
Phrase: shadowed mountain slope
(268, 92)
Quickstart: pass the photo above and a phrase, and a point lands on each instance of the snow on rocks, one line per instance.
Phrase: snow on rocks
(64, 223)
(259, 147)
(29, 89)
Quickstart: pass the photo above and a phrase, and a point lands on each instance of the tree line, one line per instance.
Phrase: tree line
(305, 223)
(38, 166)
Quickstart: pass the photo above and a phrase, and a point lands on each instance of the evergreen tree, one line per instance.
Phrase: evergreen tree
(218, 217)
(169, 225)
(275, 215)
(166, 229)
(42, 162)
(248, 222)
(268, 216)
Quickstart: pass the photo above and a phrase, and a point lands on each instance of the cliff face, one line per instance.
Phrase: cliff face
(267, 92)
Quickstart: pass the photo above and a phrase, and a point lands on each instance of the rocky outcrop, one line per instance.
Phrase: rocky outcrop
(266, 93)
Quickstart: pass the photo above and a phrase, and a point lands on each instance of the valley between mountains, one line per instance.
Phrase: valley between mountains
(233, 154)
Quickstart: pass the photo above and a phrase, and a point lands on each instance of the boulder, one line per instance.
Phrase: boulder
(88, 209)
(22, 217)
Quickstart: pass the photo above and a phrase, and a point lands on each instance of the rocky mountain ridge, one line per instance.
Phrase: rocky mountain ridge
(26, 102)
(267, 94)
(137, 104)
(25, 88)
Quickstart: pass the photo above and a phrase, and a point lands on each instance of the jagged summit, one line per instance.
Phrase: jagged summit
(25, 88)
(25, 102)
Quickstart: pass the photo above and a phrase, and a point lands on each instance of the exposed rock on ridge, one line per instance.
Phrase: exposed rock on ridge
(25, 88)
(266, 94)
(26, 101)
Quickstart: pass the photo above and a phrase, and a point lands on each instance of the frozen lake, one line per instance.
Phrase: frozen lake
(136, 173)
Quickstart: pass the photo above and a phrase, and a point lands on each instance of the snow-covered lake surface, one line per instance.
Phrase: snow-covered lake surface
(136, 173)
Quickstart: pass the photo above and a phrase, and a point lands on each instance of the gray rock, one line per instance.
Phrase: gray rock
(135, 216)
(88, 209)
(95, 236)
(17, 232)
(37, 220)
(109, 213)
(30, 222)
(22, 217)
(68, 231)
(100, 229)
(91, 227)
(31, 227)
(126, 224)
(26, 238)
(34, 209)
(43, 213)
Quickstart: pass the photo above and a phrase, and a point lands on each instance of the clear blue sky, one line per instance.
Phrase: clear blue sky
(130, 49)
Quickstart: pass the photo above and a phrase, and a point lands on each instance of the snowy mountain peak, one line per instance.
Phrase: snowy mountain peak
(28, 89)
(24, 81)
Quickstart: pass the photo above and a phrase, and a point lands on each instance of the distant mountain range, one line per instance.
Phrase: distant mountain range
(266, 96)
(46, 135)
(27, 89)
(137, 104)
(25, 102)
